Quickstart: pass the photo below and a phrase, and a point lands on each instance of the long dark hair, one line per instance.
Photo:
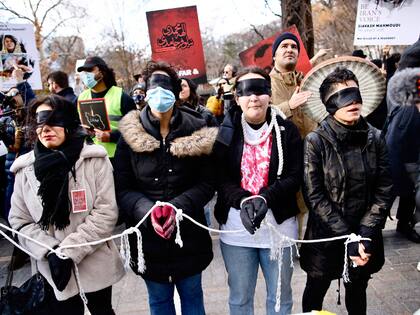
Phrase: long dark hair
(109, 75)
(57, 103)
(193, 99)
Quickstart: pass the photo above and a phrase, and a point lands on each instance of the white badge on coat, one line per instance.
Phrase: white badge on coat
(78, 200)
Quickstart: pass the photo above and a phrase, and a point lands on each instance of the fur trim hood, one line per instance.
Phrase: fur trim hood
(403, 87)
(200, 142)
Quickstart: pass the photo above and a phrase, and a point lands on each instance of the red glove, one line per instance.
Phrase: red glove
(163, 221)
(169, 225)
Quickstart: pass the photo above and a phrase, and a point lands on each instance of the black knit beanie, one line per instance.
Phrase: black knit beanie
(281, 38)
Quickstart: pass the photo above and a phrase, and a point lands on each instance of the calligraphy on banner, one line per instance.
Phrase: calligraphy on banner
(175, 38)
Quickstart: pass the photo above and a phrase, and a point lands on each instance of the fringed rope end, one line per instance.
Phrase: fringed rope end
(81, 291)
(125, 250)
(278, 291)
(141, 265)
(352, 238)
(178, 218)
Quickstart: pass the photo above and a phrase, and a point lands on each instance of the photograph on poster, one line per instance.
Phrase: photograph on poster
(18, 51)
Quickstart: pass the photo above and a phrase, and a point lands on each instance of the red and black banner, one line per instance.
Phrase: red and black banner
(175, 38)
(260, 54)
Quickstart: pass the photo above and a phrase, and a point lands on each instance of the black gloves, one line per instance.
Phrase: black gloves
(253, 211)
(60, 270)
(371, 233)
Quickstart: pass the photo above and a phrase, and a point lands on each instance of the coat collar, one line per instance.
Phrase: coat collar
(88, 151)
(196, 143)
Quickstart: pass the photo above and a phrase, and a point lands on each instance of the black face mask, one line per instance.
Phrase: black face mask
(161, 80)
(343, 98)
(253, 86)
(51, 118)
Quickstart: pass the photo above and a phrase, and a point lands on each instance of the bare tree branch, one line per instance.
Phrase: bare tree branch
(55, 27)
(49, 10)
(254, 28)
(271, 10)
(7, 9)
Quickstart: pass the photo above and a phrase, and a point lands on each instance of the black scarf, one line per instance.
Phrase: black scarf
(52, 169)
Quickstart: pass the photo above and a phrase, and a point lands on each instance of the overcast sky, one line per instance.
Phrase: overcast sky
(221, 17)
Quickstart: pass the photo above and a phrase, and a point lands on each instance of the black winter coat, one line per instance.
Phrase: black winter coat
(176, 169)
(403, 141)
(332, 210)
(281, 191)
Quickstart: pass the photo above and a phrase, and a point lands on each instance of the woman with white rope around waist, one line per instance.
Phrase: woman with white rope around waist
(64, 195)
(347, 186)
(164, 155)
(260, 162)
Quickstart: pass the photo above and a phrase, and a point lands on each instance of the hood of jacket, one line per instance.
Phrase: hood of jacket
(403, 87)
(193, 139)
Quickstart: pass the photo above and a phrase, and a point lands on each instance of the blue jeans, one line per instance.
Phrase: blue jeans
(161, 296)
(242, 265)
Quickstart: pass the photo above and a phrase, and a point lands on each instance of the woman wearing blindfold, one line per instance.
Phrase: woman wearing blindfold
(64, 195)
(163, 155)
(347, 188)
(261, 162)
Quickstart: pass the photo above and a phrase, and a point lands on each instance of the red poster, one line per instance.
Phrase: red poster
(175, 38)
(260, 54)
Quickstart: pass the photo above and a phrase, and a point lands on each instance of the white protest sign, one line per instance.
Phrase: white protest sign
(18, 50)
(387, 22)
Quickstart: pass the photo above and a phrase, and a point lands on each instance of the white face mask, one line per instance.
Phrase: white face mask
(160, 99)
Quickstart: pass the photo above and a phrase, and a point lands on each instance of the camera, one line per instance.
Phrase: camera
(7, 102)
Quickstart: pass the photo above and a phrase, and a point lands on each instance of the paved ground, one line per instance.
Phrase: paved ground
(395, 290)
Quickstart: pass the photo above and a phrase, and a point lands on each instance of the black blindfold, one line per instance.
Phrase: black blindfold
(161, 80)
(51, 118)
(253, 86)
(343, 98)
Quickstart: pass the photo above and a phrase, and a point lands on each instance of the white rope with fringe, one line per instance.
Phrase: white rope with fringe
(277, 240)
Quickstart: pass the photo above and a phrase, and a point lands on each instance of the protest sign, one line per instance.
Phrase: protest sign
(93, 114)
(387, 22)
(18, 50)
(175, 38)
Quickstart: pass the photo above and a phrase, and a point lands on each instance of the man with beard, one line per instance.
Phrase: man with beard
(285, 81)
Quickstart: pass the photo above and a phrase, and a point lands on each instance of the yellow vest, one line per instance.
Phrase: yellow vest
(113, 107)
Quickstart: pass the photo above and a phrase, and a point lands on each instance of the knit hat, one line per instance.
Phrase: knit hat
(403, 87)
(410, 57)
(358, 53)
(281, 38)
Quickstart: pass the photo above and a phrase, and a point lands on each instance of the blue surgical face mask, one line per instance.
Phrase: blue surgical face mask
(160, 99)
(88, 79)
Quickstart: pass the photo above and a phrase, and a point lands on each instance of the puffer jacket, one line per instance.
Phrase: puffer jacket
(333, 211)
(176, 169)
(100, 265)
(281, 190)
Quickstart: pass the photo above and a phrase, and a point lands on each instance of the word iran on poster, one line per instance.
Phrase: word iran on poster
(175, 38)
(18, 51)
(387, 22)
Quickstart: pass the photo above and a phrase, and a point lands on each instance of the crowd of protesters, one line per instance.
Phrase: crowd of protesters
(268, 161)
